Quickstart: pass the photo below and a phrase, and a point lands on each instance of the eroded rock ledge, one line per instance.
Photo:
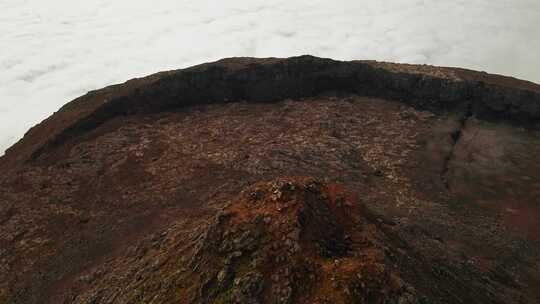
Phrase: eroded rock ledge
(267, 80)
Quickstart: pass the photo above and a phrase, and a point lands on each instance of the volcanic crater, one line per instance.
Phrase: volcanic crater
(298, 180)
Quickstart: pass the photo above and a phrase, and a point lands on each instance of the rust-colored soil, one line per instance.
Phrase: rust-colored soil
(301, 180)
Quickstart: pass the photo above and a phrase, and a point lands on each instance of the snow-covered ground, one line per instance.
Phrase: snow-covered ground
(53, 51)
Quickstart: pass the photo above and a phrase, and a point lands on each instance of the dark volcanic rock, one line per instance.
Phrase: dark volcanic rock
(300, 180)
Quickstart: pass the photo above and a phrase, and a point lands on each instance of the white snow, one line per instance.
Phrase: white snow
(53, 51)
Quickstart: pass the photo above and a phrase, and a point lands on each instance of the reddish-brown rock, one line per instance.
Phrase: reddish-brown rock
(300, 180)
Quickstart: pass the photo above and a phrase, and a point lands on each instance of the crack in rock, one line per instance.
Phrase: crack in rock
(456, 137)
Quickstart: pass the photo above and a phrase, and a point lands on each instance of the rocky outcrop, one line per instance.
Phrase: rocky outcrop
(291, 240)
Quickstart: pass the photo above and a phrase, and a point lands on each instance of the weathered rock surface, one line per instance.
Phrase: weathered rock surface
(300, 180)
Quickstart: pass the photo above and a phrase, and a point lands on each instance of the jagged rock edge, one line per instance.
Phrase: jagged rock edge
(301, 77)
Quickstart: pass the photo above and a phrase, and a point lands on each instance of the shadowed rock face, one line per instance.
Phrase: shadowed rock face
(300, 180)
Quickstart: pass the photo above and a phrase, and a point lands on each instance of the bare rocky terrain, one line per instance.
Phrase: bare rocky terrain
(300, 180)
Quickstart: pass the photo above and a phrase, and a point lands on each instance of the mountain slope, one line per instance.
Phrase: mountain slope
(341, 181)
